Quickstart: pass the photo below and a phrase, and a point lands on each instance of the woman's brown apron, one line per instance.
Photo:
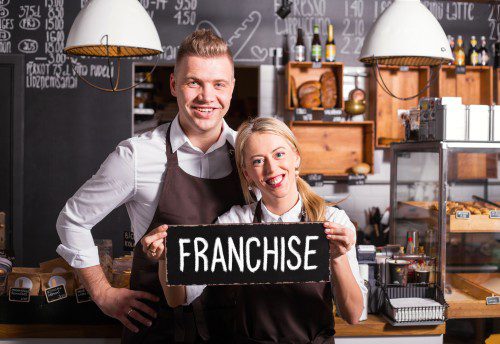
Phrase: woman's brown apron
(186, 200)
(284, 313)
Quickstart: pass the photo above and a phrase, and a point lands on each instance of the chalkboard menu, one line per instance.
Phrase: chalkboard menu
(70, 128)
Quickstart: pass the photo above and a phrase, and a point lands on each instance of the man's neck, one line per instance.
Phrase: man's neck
(203, 139)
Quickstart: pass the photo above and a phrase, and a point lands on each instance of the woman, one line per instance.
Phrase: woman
(268, 160)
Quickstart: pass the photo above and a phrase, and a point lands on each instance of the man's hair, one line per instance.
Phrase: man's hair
(203, 43)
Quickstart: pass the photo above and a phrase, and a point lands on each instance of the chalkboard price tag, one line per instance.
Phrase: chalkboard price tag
(332, 115)
(494, 214)
(404, 68)
(82, 295)
(314, 179)
(222, 254)
(356, 179)
(56, 293)
(316, 65)
(303, 114)
(493, 300)
(460, 70)
(128, 241)
(462, 215)
(19, 294)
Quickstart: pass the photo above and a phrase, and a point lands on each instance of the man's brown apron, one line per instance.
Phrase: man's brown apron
(284, 313)
(186, 199)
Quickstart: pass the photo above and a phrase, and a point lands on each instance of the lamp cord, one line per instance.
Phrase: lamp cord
(381, 83)
(114, 86)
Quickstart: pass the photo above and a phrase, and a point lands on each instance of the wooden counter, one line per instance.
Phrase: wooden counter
(374, 326)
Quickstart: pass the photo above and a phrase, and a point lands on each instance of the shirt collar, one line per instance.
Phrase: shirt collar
(293, 215)
(178, 138)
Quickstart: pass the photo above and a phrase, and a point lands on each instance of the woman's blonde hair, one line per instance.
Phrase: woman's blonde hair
(314, 205)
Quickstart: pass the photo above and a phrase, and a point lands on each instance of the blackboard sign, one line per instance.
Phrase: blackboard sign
(247, 254)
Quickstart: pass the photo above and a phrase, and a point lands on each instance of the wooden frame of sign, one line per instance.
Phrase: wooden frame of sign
(247, 254)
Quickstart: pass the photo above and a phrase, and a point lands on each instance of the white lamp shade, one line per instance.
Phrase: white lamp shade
(128, 27)
(406, 34)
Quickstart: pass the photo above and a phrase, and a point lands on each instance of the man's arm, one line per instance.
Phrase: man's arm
(110, 187)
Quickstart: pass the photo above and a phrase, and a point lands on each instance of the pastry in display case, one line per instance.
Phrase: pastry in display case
(445, 197)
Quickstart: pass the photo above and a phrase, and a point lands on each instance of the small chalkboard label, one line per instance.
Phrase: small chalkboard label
(314, 179)
(494, 214)
(56, 293)
(82, 295)
(303, 114)
(332, 115)
(460, 70)
(316, 65)
(356, 179)
(247, 254)
(128, 241)
(462, 215)
(404, 68)
(493, 300)
(19, 294)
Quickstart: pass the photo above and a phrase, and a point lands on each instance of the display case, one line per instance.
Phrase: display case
(449, 193)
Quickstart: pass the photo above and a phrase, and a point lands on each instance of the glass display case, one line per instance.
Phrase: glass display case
(445, 201)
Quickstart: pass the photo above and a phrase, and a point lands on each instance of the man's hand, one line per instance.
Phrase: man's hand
(122, 304)
(119, 303)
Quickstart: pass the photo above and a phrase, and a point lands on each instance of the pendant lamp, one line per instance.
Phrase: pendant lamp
(406, 34)
(113, 29)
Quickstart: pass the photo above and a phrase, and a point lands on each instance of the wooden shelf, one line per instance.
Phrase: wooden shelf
(468, 295)
(476, 223)
(475, 86)
(384, 108)
(304, 71)
(333, 148)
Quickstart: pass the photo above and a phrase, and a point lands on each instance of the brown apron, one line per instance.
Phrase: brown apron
(186, 199)
(284, 313)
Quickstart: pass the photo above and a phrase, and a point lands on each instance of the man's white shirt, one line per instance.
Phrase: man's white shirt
(133, 175)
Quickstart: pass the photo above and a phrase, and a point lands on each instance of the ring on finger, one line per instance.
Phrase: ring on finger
(151, 250)
(130, 311)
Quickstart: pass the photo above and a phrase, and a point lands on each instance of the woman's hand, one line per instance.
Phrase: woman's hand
(153, 243)
(341, 239)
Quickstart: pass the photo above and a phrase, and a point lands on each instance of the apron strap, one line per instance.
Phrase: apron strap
(171, 156)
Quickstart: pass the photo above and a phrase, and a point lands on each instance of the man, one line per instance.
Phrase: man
(182, 173)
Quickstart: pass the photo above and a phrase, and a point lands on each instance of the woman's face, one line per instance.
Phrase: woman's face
(269, 165)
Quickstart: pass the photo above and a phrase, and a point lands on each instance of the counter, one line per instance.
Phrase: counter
(374, 326)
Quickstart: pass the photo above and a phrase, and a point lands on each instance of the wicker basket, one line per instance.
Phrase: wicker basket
(415, 316)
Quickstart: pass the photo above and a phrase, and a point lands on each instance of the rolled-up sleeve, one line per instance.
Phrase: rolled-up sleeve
(110, 187)
(340, 217)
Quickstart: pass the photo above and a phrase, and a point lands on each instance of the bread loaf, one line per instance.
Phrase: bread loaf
(311, 100)
(293, 89)
(328, 89)
(308, 87)
(309, 94)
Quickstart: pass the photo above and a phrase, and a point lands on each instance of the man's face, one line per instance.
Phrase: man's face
(203, 87)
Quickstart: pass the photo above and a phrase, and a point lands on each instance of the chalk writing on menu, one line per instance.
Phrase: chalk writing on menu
(353, 32)
(184, 14)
